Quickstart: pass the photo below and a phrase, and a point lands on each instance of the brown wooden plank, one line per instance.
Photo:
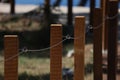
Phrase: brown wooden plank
(106, 25)
(12, 3)
(112, 39)
(79, 47)
(103, 4)
(11, 64)
(104, 35)
(56, 52)
(97, 44)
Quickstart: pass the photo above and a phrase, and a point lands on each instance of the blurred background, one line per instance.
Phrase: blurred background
(31, 20)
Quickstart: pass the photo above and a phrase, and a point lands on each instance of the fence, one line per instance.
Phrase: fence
(11, 44)
(11, 52)
(47, 3)
(105, 37)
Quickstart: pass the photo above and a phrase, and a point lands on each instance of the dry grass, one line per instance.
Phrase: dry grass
(18, 23)
(36, 66)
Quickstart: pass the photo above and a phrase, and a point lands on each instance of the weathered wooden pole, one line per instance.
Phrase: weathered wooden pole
(79, 47)
(56, 52)
(112, 38)
(97, 57)
(47, 7)
(106, 25)
(47, 13)
(12, 4)
(10, 57)
(70, 13)
(103, 7)
(103, 20)
(92, 6)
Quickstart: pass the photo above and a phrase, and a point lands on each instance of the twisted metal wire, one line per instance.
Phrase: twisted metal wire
(25, 50)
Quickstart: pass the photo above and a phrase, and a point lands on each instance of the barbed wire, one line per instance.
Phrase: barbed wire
(10, 58)
(67, 37)
(105, 18)
(25, 49)
(39, 50)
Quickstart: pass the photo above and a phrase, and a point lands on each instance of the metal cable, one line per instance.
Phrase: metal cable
(106, 18)
(25, 50)
(10, 58)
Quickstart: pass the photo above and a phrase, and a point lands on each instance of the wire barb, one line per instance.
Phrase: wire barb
(24, 49)
(90, 27)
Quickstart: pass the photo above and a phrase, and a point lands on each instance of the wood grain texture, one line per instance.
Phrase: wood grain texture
(112, 39)
(56, 52)
(79, 47)
(11, 64)
(97, 44)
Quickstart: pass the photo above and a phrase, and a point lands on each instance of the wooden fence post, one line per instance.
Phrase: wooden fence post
(112, 39)
(56, 52)
(12, 3)
(97, 56)
(11, 60)
(103, 5)
(92, 6)
(79, 47)
(70, 13)
(106, 25)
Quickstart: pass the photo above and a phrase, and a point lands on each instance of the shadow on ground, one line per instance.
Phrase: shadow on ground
(25, 76)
